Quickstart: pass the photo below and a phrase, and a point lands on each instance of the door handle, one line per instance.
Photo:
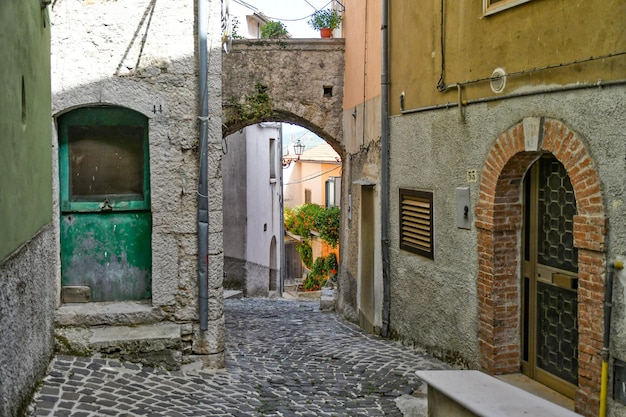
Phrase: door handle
(106, 206)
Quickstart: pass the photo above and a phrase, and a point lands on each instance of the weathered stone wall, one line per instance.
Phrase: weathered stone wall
(27, 302)
(295, 72)
(142, 55)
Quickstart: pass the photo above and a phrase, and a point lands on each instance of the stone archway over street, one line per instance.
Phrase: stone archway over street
(295, 81)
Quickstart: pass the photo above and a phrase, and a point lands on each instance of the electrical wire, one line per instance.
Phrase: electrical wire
(313, 177)
(300, 18)
(546, 67)
(441, 84)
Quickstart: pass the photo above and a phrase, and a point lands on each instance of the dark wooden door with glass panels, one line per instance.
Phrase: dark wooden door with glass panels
(106, 223)
(550, 278)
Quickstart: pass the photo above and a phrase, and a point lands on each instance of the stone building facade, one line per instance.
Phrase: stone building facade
(515, 157)
(140, 59)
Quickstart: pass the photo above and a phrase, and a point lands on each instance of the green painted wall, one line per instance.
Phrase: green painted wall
(25, 123)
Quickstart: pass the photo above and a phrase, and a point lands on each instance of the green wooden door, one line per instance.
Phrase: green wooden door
(106, 223)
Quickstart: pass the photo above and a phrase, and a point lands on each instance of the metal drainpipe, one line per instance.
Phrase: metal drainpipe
(606, 353)
(203, 193)
(282, 213)
(384, 167)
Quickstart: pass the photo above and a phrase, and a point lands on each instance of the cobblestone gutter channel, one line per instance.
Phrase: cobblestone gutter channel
(309, 364)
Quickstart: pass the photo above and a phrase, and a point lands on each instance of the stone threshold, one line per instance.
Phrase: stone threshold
(109, 313)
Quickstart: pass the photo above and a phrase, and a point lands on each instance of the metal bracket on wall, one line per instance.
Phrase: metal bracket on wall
(463, 212)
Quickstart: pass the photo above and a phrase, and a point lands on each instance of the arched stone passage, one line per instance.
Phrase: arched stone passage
(279, 116)
(499, 219)
(295, 81)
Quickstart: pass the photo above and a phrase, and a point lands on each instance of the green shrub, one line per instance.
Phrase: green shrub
(235, 28)
(326, 223)
(274, 30)
(311, 217)
(317, 277)
(301, 220)
(306, 253)
(330, 264)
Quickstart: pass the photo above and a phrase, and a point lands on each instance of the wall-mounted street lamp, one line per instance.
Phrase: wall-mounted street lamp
(298, 149)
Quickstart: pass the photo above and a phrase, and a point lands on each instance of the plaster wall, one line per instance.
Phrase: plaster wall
(141, 54)
(361, 29)
(295, 185)
(433, 302)
(257, 280)
(251, 207)
(234, 163)
(235, 210)
(25, 160)
(361, 125)
(27, 250)
(360, 169)
(361, 120)
(263, 192)
(528, 36)
(293, 193)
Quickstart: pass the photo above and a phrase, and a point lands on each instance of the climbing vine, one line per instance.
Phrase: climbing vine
(255, 106)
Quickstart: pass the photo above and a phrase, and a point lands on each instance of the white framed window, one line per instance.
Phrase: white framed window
(494, 6)
(333, 192)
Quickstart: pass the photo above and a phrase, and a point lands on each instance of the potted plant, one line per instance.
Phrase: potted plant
(325, 20)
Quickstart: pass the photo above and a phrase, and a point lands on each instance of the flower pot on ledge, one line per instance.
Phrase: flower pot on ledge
(326, 32)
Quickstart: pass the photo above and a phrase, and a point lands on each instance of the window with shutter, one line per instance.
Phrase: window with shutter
(416, 222)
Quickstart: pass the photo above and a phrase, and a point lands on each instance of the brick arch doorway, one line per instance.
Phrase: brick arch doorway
(499, 220)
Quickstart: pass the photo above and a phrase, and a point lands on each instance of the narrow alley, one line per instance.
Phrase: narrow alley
(284, 358)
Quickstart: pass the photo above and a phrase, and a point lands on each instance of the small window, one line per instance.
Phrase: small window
(416, 222)
(333, 192)
(307, 196)
(273, 159)
(105, 162)
(494, 6)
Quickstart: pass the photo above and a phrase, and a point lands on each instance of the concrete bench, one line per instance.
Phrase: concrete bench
(476, 394)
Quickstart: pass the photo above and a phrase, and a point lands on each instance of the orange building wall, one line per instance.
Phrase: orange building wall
(361, 29)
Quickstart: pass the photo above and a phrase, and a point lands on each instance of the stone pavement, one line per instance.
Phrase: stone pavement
(284, 358)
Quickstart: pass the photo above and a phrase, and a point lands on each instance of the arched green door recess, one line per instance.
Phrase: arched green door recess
(106, 223)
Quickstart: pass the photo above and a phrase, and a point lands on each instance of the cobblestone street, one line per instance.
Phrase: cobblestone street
(284, 358)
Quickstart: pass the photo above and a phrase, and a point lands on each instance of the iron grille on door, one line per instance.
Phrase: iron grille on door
(416, 222)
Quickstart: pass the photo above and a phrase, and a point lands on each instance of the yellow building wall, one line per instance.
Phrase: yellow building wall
(521, 40)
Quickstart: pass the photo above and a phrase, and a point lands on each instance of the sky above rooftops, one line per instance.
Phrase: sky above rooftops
(293, 13)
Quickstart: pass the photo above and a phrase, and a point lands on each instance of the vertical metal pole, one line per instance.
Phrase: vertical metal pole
(203, 193)
(384, 168)
(282, 212)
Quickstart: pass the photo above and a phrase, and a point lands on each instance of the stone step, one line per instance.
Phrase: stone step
(233, 294)
(121, 313)
(154, 345)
